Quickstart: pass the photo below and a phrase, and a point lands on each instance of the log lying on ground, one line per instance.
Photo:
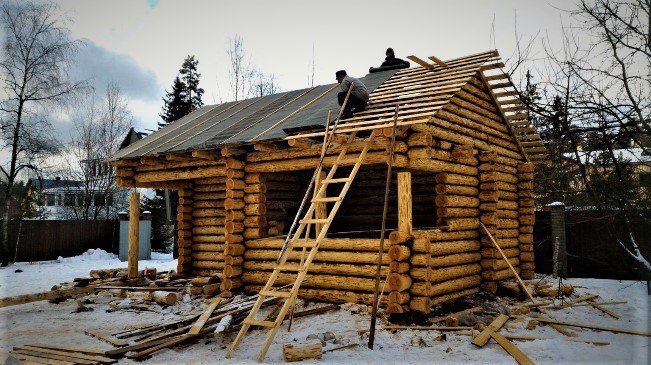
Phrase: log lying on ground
(49, 295)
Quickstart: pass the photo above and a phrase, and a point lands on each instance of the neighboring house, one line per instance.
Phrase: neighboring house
(98, 196)
(638, 158)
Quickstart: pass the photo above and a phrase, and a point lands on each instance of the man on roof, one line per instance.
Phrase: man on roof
(358, 95)
(391, 60)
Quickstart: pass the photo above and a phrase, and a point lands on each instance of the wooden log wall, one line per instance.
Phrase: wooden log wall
(343, 269)
(208, 224)
(184, 232)
(236, 224)
(283, 194)
(526, 218)
(399, 281)
(488, 197)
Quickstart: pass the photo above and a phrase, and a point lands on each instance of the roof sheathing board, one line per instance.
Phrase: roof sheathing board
(162, 135)
(188, 138)
(315, 114)
(232, 134)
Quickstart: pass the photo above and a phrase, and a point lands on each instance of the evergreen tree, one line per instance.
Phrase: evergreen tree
(175, 104)
(185, 96)
(190, 78)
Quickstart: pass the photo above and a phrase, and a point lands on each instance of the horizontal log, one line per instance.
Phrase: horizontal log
(324, 268)
(399, 253)
(232, 271)
(208, 247)
(499, 264)
(327, 244)
(234, 249)
(456, 179)
(398, 297)
(211, 204)
(309, 163)
(209, 221)
(441, 248)
(203, 213)
(460, 224)
(424, 288)
(499, 275)
(437, 235)
(211, 180)
(448, 273)
(456, 190)
(208, 256)
(181, 174)
(452, 296)
(456, 201)
(397, 237)
(313, 281)
(433, 165)
(217, 230)
(495, 253)
(321, 256)
(208, 264)
(426, 260)
(420, 304)
(327, 295)
(380, 144)
(197, 238)
(209, 196)
(398, 282)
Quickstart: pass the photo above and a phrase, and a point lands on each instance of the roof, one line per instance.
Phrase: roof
(419, 91)
(131, 137)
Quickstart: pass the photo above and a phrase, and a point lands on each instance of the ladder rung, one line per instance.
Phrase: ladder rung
(303, 244)
(327, 199)
(314, 221)
(289, 267)
(334, 181)
(275, 293)
(257, 322)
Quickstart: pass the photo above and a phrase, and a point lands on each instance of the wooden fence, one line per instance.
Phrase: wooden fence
(592, 247)
(48, 239)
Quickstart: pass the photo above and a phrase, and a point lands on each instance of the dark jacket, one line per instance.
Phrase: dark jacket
(393, 61)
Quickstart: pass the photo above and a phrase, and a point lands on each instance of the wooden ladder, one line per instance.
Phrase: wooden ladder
(296, 241)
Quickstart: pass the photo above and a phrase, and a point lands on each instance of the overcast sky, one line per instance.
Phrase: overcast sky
(140, 44)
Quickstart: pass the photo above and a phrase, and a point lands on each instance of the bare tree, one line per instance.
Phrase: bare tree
(36, 53)
(99, 132)
(264, 84)
(241, 72)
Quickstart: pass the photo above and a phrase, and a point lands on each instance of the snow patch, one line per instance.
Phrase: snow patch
(94, 254)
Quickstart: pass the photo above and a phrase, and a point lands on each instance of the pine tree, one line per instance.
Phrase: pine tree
(186, 94)
(190, 78)
(176, 105)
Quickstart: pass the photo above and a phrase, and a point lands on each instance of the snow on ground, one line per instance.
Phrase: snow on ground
(55, 324)
(42, 275)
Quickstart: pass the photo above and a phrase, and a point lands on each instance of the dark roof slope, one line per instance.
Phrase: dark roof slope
(256, 119)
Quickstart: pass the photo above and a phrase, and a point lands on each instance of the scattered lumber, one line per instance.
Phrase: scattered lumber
(595, 327)
(67, 356)
(603, 309)
(580, 299)
(485, 335)
(509, 347)
(198, 325)
(297, 353)
(109, 339)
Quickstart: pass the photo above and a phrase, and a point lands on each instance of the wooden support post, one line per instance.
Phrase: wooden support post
(404, 202)
(134, 229)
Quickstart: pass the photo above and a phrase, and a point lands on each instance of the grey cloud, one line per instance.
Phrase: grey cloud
(100, 66)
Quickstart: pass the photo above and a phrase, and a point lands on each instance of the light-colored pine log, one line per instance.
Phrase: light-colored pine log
(439, 275)
(134, 229)
(424, 288)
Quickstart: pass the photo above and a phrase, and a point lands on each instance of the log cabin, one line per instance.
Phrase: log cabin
(462, 153)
